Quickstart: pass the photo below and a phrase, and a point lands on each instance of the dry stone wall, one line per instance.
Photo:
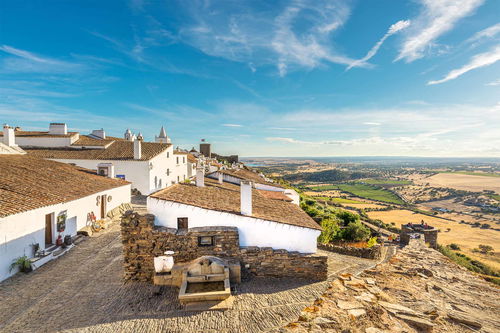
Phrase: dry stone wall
(374, 252)
(142, 241)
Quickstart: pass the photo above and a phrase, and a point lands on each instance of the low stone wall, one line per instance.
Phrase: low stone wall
(142, 241)
(374, 252)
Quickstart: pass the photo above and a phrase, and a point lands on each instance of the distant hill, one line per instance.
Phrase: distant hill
(333, 175)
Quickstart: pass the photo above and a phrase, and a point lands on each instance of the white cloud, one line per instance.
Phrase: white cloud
(371, 123)
(25, 61)
(493, 83)
(396, 27)
(436, 18)
(232, 125)
(487, 33)
(239, 32)
(479, 60)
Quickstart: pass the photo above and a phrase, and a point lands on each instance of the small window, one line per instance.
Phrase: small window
(206, 241)
(177, 158)
(178, 179)
(183, 160)
(182, 223)
(168, 154)
(168, 172)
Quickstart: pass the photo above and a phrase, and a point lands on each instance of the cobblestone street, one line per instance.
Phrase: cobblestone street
(83, 291)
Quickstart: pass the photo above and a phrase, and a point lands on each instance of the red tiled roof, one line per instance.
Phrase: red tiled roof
(249, 175)
(117, 150)
(28, 183)
(226, 198)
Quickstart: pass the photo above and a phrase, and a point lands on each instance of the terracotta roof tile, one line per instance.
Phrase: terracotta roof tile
(44, 134)
(191, 158)
(226, 198)
(249, 175)
(118, 150)
(28, 183)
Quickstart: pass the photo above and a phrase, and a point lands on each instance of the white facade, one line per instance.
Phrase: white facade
(46, 141)
(19, 231)
(146, 176)
(252, 231)
(181, 167)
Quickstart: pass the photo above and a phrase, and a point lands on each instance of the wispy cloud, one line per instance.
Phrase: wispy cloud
(25, 61)
(487, 33)
(238, 32)
(493, 83)
(479, 60)
(370, 123)
(396, 27)
(435, 19)
(232, 125)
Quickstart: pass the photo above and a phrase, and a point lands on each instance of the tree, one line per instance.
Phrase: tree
(355, 231)
(455, 247)
(347, 217)
(485, 248)
(330, 231)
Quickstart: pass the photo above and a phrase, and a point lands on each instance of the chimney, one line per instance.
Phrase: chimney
(99, 133)
(200, 177)
(9, 138)
(137, 150)
(246, 197)
(221, 177)
(58, 129)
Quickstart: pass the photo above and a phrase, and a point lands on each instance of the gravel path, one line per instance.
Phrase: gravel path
(83, 291)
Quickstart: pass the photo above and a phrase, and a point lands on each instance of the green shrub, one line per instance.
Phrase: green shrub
(485, 248)
(372, 242)
(454, 246)
(347, 217)
(330, 231)
(355, 231)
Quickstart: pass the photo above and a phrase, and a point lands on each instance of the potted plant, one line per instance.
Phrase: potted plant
(23, 263)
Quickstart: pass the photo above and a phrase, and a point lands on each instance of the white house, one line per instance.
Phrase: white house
(149, 166)
(237, 175)
(263, 218)
(42, 199)
(181, 165)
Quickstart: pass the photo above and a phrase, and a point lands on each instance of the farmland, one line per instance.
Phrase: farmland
(385, 182)
(371, 192)
(465, 235)
(463, 182)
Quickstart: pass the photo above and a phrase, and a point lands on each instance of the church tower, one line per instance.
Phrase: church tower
(162, 138)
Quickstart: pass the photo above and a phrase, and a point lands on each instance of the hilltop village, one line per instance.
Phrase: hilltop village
(107, 234)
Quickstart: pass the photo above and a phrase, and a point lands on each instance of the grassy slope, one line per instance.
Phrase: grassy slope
(386, 182)
(370, 192)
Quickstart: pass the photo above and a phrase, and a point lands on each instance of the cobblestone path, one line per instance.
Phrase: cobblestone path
(83, 291)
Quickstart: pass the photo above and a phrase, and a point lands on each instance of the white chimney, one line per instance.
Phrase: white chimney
(58, 129)
(9, 138)
(137, 150)
(221, 177)
(246, 197)
(99, 133)
(106, 170)
(200, 177)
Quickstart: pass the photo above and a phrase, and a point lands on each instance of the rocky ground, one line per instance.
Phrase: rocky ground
(418, 290)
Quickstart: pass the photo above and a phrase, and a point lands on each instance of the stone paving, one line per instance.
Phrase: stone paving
(83, 291)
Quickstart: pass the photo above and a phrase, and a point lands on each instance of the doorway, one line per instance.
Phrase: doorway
(48, 229)
(104, 200)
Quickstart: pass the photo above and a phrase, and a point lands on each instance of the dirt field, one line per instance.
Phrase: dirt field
(464, 235)
(463, 182)
(364, 205)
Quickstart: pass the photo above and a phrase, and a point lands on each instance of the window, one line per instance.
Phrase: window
(168, 172)
(183, 160)
(178, 179)
(159, 183)
(206, 241)
(168, 154)
(177, 158)
(182, 223)
(156, 182)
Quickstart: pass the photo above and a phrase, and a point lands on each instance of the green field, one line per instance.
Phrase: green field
(385, 182)
(346, 201)
(324, 188)
(470, 173)
(370, 192)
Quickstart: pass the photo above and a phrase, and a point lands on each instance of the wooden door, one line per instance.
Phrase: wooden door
(104, 198)
(182, 223)
(48, 229)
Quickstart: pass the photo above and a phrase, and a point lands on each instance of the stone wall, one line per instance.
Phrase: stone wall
(374, 252)
(430, 235)
(142, 241)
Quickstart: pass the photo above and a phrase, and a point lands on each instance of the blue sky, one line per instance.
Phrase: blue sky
(261, 78)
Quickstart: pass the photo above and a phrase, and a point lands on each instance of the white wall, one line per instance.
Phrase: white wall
(191, 170)
(136, 172)
(161, 163)
(181, 168)
(252, 231)
(236, 180)
(19, 231)
(51, 142)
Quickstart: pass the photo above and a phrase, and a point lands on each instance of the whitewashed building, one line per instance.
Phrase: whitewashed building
(149, 166)
(41, 200)
(263, 218)
(260, 182)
